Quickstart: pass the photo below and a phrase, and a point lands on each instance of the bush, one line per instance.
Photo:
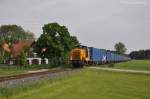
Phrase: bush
(54, 62)
(22, 58)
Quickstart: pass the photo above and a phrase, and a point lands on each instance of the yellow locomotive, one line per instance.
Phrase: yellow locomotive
(79, 56)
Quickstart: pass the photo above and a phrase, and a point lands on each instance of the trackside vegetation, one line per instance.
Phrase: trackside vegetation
(7, 71)
(86, 84)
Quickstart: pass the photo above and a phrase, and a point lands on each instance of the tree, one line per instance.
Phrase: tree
(1, 43)
(3, 54)
(55, 43)
(1, 50)
(120, 48)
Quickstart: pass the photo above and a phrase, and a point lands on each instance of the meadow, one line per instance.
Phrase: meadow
(86, 84)
(134, 65)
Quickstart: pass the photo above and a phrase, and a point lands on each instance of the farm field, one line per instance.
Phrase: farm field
(134, 65)
(87, 84)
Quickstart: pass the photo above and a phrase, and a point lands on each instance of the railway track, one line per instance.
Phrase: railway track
(26, 75)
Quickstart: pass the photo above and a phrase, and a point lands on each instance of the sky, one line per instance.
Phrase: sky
(96, 23)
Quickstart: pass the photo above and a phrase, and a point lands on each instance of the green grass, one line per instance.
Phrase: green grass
(15, 70)
(134, 65)
(87, 84)
(6, 71)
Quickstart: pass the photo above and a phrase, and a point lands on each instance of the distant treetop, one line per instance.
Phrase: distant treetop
(15, 33)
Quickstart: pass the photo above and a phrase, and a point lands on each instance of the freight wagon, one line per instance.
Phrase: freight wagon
(97, 56)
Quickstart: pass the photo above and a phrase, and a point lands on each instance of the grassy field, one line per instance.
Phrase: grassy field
(5, 71)
(134, 65)
(15, 70)
(87, 84)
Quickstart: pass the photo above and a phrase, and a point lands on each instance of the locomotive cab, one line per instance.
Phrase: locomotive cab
(79, 56)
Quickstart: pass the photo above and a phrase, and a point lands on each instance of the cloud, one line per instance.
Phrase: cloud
(134, 2)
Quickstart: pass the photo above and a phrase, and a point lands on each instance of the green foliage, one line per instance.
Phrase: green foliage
(141, 54)
(3, 55)
(120, 48)
(6, 56)
(1, 42)
(57, 41)
(1, 49)
(12, 33)
(22, 58)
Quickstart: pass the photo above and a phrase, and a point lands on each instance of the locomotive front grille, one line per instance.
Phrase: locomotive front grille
(76, 55)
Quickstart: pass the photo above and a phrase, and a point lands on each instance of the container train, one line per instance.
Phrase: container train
(82, 55)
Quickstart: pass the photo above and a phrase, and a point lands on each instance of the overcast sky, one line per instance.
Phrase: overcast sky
(97, 23)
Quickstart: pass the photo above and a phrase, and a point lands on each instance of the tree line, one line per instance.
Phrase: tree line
(141, 54)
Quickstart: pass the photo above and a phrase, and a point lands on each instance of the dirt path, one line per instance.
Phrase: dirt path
(121, 70)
